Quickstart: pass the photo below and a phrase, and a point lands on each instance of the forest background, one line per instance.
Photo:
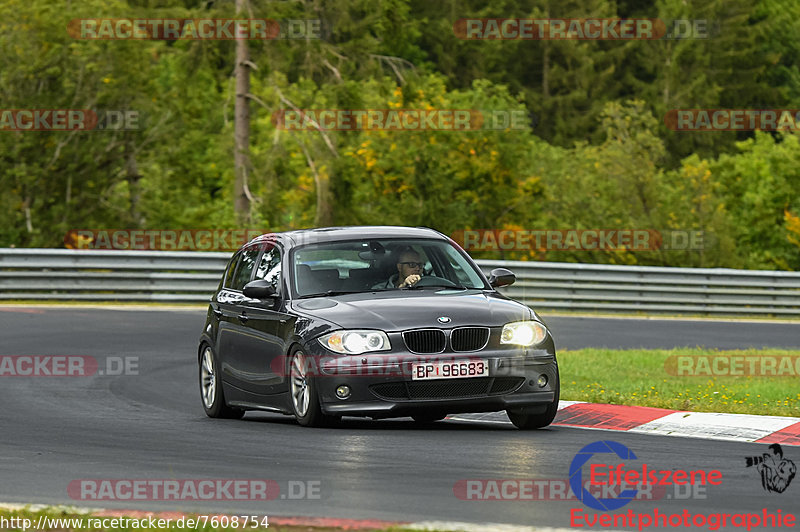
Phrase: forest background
(596, 154)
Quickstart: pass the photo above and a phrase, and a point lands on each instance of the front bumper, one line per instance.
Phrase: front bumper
(385, 409)
(381, 385)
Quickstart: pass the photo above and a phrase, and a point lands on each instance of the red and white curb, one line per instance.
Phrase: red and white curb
(304, 522)
(477, 527)
(663, 422)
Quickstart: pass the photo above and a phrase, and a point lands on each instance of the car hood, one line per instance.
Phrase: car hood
(398, 311)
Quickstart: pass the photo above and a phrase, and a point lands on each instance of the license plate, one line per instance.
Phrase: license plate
(452, 369)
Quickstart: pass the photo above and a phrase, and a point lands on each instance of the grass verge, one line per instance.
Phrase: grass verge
(697, 380)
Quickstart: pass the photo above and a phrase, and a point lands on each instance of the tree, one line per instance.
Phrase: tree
(241, 193)
(54, 181)
(761, 184)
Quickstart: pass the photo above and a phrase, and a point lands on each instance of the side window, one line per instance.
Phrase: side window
(459, 266)
(269, 268)
(229, 272)
(244, 270)
(454, 268)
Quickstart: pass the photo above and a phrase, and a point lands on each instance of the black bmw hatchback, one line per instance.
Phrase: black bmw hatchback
(375, 322)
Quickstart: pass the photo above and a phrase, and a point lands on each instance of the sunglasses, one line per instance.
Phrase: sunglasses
(413, 264)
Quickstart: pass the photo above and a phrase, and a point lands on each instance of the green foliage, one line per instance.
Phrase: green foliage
(597, 156)
(445, 179)
(761, 183)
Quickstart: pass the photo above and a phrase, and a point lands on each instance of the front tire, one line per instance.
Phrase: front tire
(529, 418)
(303, 394)
(211, 392)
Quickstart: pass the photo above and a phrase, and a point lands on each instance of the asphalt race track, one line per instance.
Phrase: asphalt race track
(151, 425)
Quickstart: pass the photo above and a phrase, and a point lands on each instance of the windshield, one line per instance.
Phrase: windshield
(381, 264)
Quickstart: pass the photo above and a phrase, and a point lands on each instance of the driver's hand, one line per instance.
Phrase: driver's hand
(411, 280)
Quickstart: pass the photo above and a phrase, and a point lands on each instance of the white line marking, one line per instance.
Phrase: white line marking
(41, 507)
(500, 417)
(667, 317)
(734, 427)
(704, 425)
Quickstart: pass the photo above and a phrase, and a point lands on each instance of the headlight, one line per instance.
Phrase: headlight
(523, 333)
(355, 342)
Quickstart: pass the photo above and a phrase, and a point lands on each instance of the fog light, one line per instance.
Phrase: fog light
(542, 382)
(343, 392)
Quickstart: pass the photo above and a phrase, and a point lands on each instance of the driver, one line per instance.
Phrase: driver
(409, 269)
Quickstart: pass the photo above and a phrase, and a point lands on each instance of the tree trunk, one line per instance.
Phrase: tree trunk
(324, 217)
(26, 207)
(241, 159)
(546, 69)
(133, 177)
(546, 61)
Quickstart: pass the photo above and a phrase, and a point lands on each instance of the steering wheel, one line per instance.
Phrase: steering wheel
(432, 280)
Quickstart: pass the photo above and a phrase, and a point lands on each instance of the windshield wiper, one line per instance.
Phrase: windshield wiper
(454, 287)
(331, 293)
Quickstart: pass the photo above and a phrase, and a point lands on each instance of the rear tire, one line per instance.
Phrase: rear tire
(529, 418)
(303, 394)
(211, 393)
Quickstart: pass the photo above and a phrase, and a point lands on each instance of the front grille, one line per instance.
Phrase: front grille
(443, 390)
(425, 341)
(395, 390)
(447, 389)
(469, 338)
(504, 385)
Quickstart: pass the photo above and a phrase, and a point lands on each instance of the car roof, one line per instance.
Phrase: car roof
(336, 234)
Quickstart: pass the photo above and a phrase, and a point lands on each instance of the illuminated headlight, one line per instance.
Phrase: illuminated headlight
(525, 333)
(356, 342)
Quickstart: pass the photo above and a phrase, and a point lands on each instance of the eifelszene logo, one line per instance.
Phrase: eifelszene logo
(628, 481)
(776, 471)
(576, 475)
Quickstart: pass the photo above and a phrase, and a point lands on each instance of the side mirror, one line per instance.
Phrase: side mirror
(501, 277)
(259, 289)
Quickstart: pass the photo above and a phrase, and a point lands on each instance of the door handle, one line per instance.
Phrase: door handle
(243, 317)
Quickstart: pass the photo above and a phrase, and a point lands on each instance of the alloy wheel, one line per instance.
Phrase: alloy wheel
(208, 378)
(301, 395)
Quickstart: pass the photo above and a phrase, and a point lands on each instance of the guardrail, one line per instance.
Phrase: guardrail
(185, 277)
